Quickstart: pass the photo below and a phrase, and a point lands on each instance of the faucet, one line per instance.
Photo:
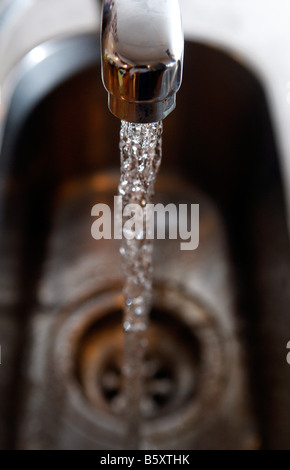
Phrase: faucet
(142, 57)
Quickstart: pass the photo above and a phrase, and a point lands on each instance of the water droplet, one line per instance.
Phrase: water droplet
(139, 310)
(138, 300)
(128, 233)
(127, 326)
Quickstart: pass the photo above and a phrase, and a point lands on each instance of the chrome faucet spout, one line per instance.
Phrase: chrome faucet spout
(142, 57)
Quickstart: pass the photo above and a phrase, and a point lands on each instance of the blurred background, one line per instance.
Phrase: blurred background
(217, 375)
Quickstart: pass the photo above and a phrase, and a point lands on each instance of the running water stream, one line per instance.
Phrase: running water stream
(141, 150)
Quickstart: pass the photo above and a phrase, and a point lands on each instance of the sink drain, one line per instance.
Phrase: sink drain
(170, 370)
(184, 370)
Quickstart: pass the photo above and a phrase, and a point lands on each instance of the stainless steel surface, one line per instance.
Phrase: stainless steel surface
(256, 34)
(77, 341)
(229, 135)
(26, 29)
(41, 70)
(142, 57)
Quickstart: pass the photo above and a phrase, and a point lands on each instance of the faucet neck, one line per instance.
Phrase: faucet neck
(142, 57)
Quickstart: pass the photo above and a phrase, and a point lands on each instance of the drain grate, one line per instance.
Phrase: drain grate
(159, 384)
(170, 368)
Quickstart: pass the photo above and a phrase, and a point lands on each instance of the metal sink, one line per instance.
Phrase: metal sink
(224, 307)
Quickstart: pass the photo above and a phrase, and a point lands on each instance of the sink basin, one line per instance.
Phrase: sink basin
(59, 288)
